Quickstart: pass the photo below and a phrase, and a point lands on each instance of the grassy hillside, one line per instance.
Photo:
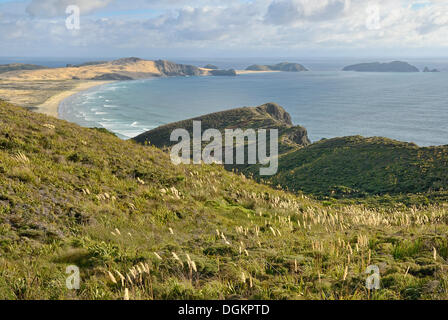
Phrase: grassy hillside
(19, 66)
(348, 167)
(357, 166)
(78, 196)
(266, 116)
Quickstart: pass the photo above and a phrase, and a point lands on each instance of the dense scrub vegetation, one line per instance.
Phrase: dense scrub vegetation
(359, 167)
(139, 227)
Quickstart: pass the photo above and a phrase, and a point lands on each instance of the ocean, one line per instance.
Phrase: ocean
(410, 107)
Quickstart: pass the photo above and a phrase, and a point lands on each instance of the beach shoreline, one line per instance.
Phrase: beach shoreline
(51, 106)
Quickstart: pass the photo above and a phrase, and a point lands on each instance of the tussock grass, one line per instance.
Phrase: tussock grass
(140, 228)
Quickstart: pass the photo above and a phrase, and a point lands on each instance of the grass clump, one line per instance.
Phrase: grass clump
(139, 227)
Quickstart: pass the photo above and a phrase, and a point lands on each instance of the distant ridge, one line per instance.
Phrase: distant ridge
(19, 66)
(130, 68)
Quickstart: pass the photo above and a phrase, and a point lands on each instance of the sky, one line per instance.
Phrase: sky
(229, 28)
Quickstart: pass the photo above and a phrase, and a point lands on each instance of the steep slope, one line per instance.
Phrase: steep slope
(357, 166)
(267, 116)
(339, 167)
(128, 218)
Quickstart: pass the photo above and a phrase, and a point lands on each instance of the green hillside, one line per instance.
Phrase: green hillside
(19, 66)
(266, 116)
(357, 166)
(348, 167)
(139, 227)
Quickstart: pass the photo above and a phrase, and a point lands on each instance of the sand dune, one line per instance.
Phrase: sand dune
(138, 69)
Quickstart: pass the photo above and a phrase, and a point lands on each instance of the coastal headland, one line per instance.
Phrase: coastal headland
(42, 89)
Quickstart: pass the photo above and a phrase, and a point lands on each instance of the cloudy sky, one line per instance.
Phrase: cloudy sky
(227, 28)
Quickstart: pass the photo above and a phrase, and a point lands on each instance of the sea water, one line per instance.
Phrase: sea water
(410, 107)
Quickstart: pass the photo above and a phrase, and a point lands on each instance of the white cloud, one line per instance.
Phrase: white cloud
(54, 8)
(261, 25)
(290, 12)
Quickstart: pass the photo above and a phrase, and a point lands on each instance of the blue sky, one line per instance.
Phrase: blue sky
(230, 28)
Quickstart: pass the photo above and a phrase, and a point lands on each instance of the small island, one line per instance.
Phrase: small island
(284, 66)
(394, 66)
(210, 66)
(429, 70)
(219, 72)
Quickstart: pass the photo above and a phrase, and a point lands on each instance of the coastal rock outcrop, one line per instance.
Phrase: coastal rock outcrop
(430, 70)
(169, 68)
(394, 66)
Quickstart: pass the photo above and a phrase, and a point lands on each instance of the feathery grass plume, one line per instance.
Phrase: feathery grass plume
(21, 157)
(345, 273)
(273, 231)
(193, 265)
(126, 294)
(171, 230)
(434, 253)
(118, 231)
(176, 257)
(296, 268)
(140, 181)
(243, 277)
(111, 277)
(48, 126)
(143, 267)
(157, 255)
(122, 278)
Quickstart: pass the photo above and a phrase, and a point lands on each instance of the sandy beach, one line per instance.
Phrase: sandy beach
(51, 106)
